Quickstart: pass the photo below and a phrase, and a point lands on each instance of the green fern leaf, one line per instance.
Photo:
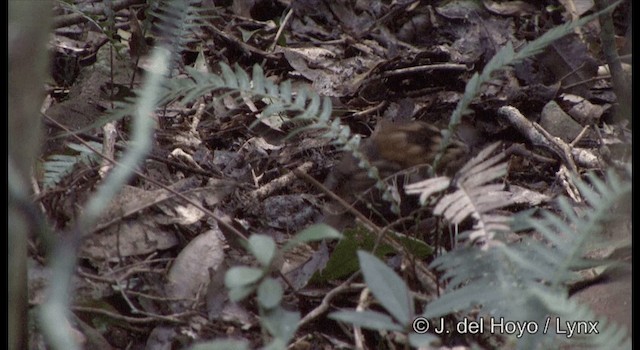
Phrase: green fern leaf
(526, 281)
(59, 165)
(502, 59)
(230, 79)
(258, 79)
(300, 100)
(243, 78)
(327, 109)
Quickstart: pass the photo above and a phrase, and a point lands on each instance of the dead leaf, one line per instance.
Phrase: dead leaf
(300, 269)
(510, 8)
(571, 63)
(577, 8)
(122, 232)
(581, 110)
(524, 196)
(189, 275)
(137, 43)
(128, 238)
(328, 74)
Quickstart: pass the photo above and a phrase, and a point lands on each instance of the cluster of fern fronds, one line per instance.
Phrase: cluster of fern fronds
(522, 281)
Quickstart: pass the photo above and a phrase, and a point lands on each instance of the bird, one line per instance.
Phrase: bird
(393, 148)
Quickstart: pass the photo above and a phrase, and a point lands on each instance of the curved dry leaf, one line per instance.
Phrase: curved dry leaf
(428, 187)
(189, 274)
(510, 8)
(577, 8)
(128, 238)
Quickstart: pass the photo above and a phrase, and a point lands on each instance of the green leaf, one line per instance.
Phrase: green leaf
(272, 89)
(276, 344)
(589, 194)
(229, 77)
(313, 233)
(460, 299)
(300, 100)
(58, 166)
(247, 34)
(201, 61)
(258, 79)
(343, 260)
(239, 276)
(314, 106)
(367, 319)
(387, 286)
(270, 293)
(241, 292)
(417, 247)
(222, 344)
(423, 341)
(263, 248)
(273, 110)
(281, 323)
(327, 110)
(285, 91)
(243, 78)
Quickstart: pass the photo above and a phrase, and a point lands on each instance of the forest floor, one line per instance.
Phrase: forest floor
(154, 271)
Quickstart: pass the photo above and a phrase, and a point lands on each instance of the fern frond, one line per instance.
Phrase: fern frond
(571, 237)
(306, 106)
(527, 281)
(568, 311)
(535, 47)
(175, 22)
(502, 59)
(475, 195)
(59, 165)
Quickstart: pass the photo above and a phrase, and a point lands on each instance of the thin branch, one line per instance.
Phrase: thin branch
(151, 318)
(77, 18)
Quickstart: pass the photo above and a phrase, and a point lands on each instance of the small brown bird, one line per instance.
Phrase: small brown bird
(392, 148)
